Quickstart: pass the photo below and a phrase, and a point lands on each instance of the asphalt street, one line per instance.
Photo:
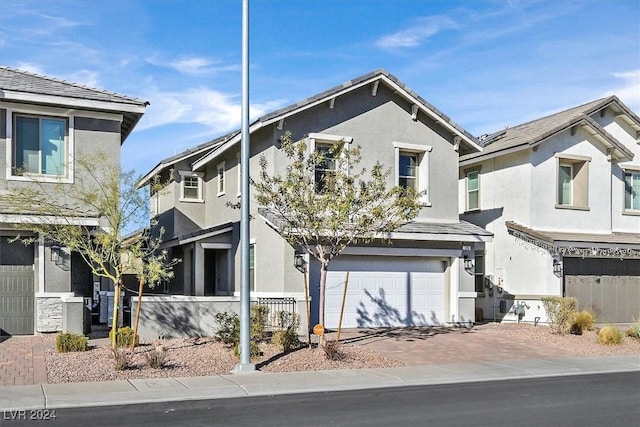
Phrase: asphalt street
(611, 399)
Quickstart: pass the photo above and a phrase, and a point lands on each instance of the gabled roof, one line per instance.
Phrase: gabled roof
(21, 86)
(468, 143)
(530, 134)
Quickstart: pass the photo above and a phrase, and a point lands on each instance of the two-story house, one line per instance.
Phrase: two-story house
(46, 126)
(561, 195)
(418, 279)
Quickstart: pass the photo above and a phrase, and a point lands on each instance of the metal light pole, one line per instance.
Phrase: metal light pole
(245, 289)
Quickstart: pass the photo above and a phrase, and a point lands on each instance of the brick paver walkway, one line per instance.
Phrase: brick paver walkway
(22, 361)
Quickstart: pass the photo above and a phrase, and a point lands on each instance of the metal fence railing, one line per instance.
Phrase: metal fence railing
(281, 311)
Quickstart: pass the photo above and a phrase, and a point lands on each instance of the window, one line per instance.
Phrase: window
(565, 185)
(479, 271)
(324, 144)
(573, 182)
(40, 146)
(325, 166)
(408, 170)
(221, 179)
(412, 168)
(473, 190)
(191, 186)
(632, 190)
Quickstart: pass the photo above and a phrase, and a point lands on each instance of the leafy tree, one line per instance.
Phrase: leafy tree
(323, 204)
(60, 212)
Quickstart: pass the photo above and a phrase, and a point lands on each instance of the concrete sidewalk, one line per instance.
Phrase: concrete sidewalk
(52, 396)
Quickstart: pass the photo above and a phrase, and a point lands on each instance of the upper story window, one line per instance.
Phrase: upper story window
(572, 182)
(632, 190)
(473, 190)
(221, 178)
(325, 145)
(191, 186)
(412, 168)
(40, 146)
(325, 167)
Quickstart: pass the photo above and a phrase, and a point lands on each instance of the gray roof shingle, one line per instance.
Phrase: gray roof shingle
(535, 131)
(22, 81)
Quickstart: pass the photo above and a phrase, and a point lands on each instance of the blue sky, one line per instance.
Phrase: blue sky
(486, 64)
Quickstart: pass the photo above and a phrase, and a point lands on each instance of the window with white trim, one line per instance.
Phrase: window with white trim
(40, 146)
(191, 186)
(473, 190)
(325, 145)
(572, 182)
(632, 190)
(412, 168)
(221, 178)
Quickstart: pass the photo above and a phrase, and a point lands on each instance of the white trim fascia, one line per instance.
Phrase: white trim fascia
(222, 148)
(75, 102)
(201, 162)
(206, 245)
(566, 156)
(48, 219)
(438, 237)
(59, 111)
(408, 252)
(432, 114)
(330, 138)
(204, 236)
(40, 264)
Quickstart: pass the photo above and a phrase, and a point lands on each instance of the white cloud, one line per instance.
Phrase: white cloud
(628, 90)
(215, 110)
(417, 33)
(194, 65)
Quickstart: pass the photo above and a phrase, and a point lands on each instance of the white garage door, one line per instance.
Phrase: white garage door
(385, 292)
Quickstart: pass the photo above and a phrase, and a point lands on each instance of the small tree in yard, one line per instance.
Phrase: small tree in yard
(60, 211)
(323, 204)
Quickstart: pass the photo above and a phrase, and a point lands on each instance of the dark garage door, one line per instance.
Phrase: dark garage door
(608, 287)
(16, 300)
(16, 287)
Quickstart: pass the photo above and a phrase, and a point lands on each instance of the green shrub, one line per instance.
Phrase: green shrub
(286, 339)
(229, 328)
(582, 321)
(561, 312)
(124, 337)
(634, 331)
(123, 358)
(66, 343)
(610, 335)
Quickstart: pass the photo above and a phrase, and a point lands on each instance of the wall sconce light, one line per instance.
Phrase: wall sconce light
(557, 267)
(298, 261)
(55, 254)
(468, 264)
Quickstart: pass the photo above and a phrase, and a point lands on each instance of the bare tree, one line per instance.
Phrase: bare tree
(65, 213)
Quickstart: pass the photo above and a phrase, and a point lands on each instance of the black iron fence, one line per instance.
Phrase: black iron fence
(281, 311)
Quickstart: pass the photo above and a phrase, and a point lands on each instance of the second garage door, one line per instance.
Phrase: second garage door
(385, 292)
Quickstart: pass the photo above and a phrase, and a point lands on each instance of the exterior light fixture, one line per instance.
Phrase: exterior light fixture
(557, 267)
(298, 261)
(468, 264)
(55, 254)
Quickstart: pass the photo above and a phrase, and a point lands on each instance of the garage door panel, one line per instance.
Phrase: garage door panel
(386, 298)
(608, 287)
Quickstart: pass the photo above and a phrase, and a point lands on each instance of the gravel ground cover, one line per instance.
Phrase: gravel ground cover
(206, 356)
